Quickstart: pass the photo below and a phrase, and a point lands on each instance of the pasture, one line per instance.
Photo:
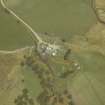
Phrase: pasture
(12, 34)
(61, 18)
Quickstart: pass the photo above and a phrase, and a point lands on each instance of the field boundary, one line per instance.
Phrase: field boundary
(15, 51)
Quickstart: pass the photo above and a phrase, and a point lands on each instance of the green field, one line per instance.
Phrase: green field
(62, 18)
(31, 82)
(12, 34)
(88, 85)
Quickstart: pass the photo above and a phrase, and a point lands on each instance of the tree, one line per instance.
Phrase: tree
(31, 102)
(22, 63)
(6, 11)
(25, 91)
(63, 40)
(24, 99)
(67, 54)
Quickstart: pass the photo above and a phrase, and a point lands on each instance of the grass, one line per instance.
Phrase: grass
(31, 82)
(12, 76)
(63, 18)
(12, 34)
(88, 86)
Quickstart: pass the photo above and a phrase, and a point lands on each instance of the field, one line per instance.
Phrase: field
(14, 78)
(71, 20)
(12, 34)
(55, 17)
(88, 85)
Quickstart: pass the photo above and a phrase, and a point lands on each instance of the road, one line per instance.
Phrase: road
(14, 51)
(22, 21)
(36, 36)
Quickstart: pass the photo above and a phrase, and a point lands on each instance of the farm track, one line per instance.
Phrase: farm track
(15, 51)
(22, 21)
(34, 34)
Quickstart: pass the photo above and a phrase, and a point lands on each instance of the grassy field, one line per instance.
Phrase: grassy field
(12, 34)
(59, 18)
(10, 78)
(31, 82)
(88, 86)
(14, 78)
(62, 18)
